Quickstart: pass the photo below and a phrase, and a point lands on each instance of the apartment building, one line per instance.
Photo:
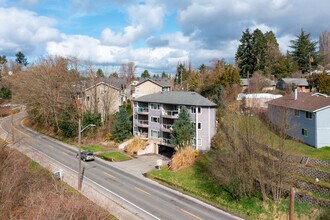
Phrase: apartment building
(154, 115)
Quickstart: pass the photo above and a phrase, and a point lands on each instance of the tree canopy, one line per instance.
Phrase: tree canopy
(145, 74)
(304, 51)
(21, 59)
(183, 130)
(122, 126)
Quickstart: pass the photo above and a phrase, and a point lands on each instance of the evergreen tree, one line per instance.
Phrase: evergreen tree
(145, 74)
(21, 59)
(259, 45)
(122, 126)
(272, 54)
(99, 73)
(304, 51)
(244, 54)
(183, 130)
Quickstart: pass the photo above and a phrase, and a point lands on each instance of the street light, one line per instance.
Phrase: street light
(80, 130)
(10, 73)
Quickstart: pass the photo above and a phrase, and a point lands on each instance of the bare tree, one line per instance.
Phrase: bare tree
(127, 70)
(324, 42)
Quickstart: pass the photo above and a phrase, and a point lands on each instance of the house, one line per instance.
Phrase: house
(265, 83)
(154, 115)
(304, 116)
(150, 86)
(291, 83)
(256, 100)
(103, 98)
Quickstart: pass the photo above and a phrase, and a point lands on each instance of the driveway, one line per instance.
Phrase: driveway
(140, 165)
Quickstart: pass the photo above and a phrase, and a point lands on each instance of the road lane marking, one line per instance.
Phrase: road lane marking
(22, 132)
(65, 153)
(50, 146)
(108, 174)
(195, 216)
(141, 190)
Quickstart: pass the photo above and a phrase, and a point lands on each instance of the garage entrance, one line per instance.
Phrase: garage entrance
(166, 151)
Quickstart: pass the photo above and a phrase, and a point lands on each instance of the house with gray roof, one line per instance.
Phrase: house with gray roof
(154, 115)
(291, 83)
(150, 86)
(303, 116)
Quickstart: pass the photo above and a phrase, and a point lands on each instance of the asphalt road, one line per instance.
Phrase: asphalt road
(142, 197)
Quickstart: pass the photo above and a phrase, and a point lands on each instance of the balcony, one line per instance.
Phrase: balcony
(170, 114)
(143, 136)
(166, 142)
(167, 127)
(143, 123)
(143, 110)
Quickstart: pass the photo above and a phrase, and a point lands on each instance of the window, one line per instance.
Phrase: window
(135, 128)
(304, 132)
(296, 112)
(135, 116)
(309, 115)
(199, 142)
(104, 91)
(155, 119)
(135, 104)
(199, 126)
(155, 133)
(154, 106)
(193, 110)
(87, 98)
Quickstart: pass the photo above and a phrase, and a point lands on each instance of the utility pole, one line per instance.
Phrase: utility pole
(292, 194)
(79, 154)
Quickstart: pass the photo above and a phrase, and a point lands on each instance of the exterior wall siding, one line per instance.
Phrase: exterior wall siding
(207, 119)
(147, 88)
(281, 116)
(323, 128)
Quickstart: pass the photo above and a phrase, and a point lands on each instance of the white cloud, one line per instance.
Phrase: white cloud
(24, 30)
(144, 20)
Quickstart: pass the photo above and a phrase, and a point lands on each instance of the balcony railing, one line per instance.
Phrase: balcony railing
(167, 127)
(167, 141)
(171, 113)
(143, 110)
(143, 123)
(141, 135)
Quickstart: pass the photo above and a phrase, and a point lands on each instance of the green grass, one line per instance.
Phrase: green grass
(265, 136)
(199, 185)
(94, 148)
(114, 156)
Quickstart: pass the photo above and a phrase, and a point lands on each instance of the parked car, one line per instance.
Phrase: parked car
(85, 156)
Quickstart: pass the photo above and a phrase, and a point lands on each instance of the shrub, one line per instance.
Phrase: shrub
(184, 157)
(136, 145)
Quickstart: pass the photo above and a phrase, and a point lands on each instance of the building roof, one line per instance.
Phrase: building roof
(305, 101)
(160, 82)
(177, 98)
(296, 81)
(102, 83)
(245, 81)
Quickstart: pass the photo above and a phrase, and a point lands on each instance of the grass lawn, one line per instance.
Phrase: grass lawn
(114, 156)
(265, 136)
(94, 148)
(201, 186)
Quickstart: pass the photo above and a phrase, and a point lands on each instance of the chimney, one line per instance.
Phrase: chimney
(295, 94)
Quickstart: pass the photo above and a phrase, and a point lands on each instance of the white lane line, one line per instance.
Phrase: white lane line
(108, 174)
(141, 190)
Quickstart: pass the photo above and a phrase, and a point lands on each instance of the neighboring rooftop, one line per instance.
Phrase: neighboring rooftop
(177, 98)
(305, 101)
(161, 82)
(296, 81)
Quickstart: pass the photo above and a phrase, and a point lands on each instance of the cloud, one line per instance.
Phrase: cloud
(25, 31)
(157, 42)
(144, 19)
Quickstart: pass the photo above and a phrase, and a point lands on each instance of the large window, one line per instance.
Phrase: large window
(304, 132)
(309, 115)
(155, 133)
(193, 109)
(154, 106)
(154, 119)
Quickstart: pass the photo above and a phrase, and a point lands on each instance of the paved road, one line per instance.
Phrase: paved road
(142, 197)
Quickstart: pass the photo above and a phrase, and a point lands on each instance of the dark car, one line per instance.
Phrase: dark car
(85, 156)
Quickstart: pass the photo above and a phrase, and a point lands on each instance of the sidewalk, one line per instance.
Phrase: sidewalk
(140, 165)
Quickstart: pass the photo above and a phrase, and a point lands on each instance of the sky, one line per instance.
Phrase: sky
(154, 34)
